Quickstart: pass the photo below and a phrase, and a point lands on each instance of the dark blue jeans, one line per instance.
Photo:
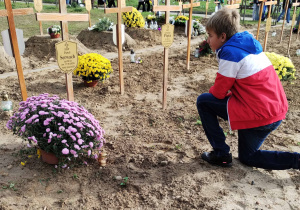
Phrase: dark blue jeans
(249, 140)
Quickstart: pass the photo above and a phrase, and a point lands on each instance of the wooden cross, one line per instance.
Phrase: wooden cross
(268, 22)
(260, 15)
(293, 23)
(121, 8)
(233, 4)
(10, 13)
(189, 29)
(166, 8)
(286, 8)
(64, 17)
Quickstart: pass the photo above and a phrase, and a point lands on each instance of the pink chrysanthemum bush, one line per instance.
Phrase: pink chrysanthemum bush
(58, 126)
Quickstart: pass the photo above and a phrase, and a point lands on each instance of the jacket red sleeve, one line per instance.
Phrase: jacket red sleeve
(222, 86)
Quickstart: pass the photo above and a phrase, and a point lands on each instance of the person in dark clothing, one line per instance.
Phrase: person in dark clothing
(147, 5)
(141, 3)
(288, 11)
(111, 3)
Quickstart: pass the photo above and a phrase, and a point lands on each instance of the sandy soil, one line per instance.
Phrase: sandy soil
(158, 150)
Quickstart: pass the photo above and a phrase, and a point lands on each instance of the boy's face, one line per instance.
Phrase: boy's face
(214, 41)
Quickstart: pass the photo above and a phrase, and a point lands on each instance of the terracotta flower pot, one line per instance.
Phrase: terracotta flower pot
(49, 158)
(90, 84)
(54, 36)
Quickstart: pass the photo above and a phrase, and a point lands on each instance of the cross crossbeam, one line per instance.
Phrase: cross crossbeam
(63, 18)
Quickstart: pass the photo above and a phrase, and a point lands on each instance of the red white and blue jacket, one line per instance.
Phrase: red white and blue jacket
(246, 74)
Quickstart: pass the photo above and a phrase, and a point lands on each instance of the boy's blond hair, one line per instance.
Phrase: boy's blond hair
(224, 21)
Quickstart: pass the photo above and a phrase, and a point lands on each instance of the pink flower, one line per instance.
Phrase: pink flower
(73, 152)
(80, 141)
(65, 151)
(91, 144)
(73, 137)
(78, 135)
(48, 130)
(49, 141)
(89, 152)
(76, 147)
(64, 141)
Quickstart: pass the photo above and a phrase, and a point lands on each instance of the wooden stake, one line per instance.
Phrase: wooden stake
(206, 7)
(189, 29)
(88, 6)
(260, 16)
(233, 4)
(9, 13)
(167, 8)
(268, 22)
(119, 11)
(293, 22)
(64, 17)
(286, 8)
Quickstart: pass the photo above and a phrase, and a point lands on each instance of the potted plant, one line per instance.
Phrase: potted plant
(59, 127)
(133, 19)
(180, 20)
(54, 31)
(204, 49)
(93, 67)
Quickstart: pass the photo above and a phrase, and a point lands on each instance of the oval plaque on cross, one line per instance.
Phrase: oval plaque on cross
(167, 35)
(67, 56)
(88, 5)
(268, 24)
(38, 5)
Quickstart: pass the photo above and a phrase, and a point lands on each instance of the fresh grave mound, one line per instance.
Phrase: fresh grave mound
(134, 38)
(42, 48)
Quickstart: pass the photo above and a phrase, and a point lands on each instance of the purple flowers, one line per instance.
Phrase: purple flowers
(59, 126)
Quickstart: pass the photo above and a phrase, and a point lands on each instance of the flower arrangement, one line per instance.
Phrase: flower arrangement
(57, 126)
(283, 66)
(204, 49)
(104, 24)
(93, 66)
(133, 19)
(54, 30)
(151, 17)
(180, 20)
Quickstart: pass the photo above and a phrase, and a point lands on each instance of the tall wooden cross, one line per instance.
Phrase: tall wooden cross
(64, 17)
(121, 8)
(268, 22)
(293, 23)
(10, 13)
(260, 15)
(166, 8)
(233, 4)
(189, 29)
(282, 28)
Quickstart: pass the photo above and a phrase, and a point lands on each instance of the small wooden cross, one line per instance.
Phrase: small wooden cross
(260, 15)
(268, 22)
(64, 17)
(293, 23)
(166, 8)
(284, 18)
(189, 29)
(121, 8)
(10, 13)
(88, 6)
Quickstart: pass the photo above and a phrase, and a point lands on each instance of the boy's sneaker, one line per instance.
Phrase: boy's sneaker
(224, 161)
